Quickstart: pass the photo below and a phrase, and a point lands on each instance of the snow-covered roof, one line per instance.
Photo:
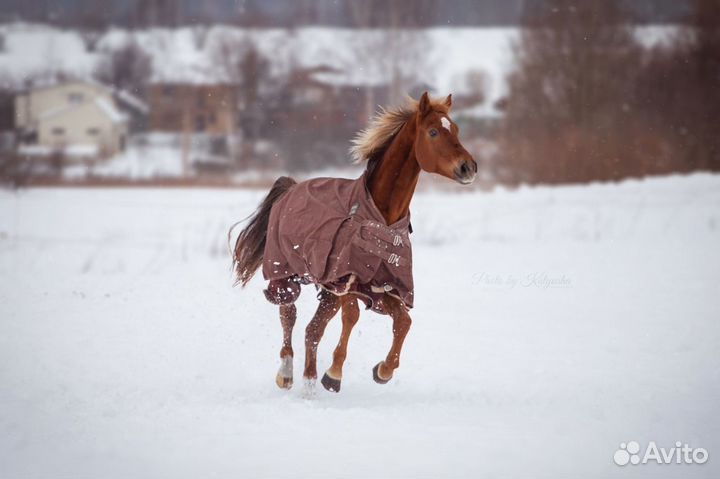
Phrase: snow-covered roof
(107, 107)
(132, 101)
(480, 110)
(127, 98)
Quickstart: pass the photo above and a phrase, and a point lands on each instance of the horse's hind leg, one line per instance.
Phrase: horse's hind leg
(329, 305)
(383, 371)
(284, 378)
(350, 315)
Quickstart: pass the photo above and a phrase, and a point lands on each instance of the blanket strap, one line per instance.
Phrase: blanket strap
(391, 258)
(385, 234)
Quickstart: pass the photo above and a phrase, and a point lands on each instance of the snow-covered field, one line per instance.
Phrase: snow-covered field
(159, 156)
(551, 324)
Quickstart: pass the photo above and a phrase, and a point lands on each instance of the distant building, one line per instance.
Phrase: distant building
(193, 108)
(72, 117)
(323, 97)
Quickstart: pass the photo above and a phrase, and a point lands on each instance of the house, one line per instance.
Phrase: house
(323, 98)
(75, 117)
(319, 111)
(193, 108)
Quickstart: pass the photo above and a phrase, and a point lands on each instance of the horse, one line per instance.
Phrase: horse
(373, 224)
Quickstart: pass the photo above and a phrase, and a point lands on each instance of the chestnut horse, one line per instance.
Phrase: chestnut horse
(397, 146)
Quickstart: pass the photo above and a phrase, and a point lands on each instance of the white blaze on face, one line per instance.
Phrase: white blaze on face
(445, 123)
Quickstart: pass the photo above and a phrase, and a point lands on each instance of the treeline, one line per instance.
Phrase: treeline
(588, 102)
(91, 14)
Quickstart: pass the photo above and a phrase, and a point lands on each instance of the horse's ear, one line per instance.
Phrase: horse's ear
(424, 104)
(448, 101)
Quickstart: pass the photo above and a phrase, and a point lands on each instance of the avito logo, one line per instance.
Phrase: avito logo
(629, 453)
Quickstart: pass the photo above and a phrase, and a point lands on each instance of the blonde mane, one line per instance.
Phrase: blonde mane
(383, 127)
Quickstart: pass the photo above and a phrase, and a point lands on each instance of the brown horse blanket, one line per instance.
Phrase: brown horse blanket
(328, 231)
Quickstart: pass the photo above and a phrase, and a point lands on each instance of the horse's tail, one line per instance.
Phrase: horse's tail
(250, 244)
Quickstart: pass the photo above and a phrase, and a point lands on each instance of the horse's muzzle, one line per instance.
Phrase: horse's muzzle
(466, 171)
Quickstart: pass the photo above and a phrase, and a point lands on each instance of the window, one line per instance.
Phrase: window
(75, 97)
(93, 131)
(168, 90)
(58, 131)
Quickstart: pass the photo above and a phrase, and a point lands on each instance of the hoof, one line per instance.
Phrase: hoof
(283, 382)
(331, 384)
(284, 378)
(376, 375)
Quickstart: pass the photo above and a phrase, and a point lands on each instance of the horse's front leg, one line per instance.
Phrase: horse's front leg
(350, 315)
(383, 371)
(284, 378)
(329, 305)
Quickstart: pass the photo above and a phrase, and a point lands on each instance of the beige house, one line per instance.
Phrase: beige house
(76, 118)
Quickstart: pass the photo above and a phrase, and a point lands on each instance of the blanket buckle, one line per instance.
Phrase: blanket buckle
(394, 259)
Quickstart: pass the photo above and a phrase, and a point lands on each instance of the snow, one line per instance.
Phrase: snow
(35, 150)
(483, 110)
(154, 155)
(658, 35)
(159, 155)
(459, 51)
(33, 49)
(82, 150)
(550, 325)
(115, 115)
(134, 102)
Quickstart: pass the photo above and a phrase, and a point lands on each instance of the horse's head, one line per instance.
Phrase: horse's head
(437, 147)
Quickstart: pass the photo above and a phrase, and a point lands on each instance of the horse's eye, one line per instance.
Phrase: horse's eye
(433, 132)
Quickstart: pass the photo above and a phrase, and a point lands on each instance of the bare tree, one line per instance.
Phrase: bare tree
(151, 13)
(361, 17)
(90, 38)
(7, 106)
(244, 67)
(127, 68)
(570, 93)
(93, 21)
(678, 95)
(396, 44)
(703, 53)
